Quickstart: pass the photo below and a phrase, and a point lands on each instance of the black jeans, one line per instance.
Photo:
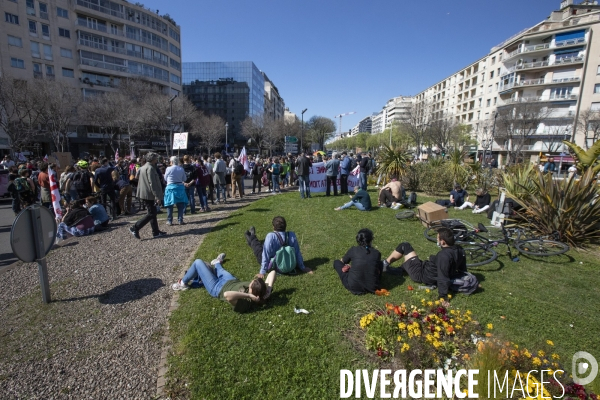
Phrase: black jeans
(110, 192)
(344, 184)
(256, 180)
(386, 197)
(331, 180)
(149, 217)
(256, 246)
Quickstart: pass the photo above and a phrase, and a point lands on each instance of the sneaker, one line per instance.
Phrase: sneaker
(396, 206)
(179, 285)
(134, 232)
(181, 222)
(160, 234)
(219, 260)
(169, 223)
(252, 231)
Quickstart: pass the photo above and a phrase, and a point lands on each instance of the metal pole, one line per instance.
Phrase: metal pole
(302, 131)
(171, 119)
(226, 141)
(492, 140)
(36, 219)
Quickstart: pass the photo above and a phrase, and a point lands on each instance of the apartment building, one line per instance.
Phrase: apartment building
(395, 111)
(274, 103)
(552, 63)
(91, 44)
(364, 125)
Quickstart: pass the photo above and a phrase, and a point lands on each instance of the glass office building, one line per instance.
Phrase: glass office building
(232, 90)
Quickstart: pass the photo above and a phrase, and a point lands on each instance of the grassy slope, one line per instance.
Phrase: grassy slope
(274, 353)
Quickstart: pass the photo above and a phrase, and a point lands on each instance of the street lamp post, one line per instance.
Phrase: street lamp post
(171, 120)
(226, 141)
(492, 138)
(302, 132)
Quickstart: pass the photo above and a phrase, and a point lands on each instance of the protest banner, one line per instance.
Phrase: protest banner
(318, 178)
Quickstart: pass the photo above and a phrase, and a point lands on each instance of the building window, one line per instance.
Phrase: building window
(495, 100)
(35, 50)
(64, 33)
(66, 53)
(11, 18)
(47, 52)
(593, 107)
(46, 31)
(175, 79)
(69, 73)
(15, 41)
(17, 63)
(174, 49)
(597, 88)
(32, 28)
(493, 60)
(491, 74)
(61, 12)
(43, 10)
(30, 7)
(598, 70)
(37, 70)
(489, 102)
(49, 70)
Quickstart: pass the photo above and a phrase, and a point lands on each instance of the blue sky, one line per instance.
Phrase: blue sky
(334, 56)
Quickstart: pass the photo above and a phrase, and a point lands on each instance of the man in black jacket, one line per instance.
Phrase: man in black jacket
(447, 269)
(303, 167)
(365, 165)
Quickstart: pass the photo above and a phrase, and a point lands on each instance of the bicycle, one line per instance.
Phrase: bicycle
(479, 248)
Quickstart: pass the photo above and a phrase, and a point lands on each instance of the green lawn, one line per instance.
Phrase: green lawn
(275, 353)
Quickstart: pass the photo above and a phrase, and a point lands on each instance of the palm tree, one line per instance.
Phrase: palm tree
(393, 161)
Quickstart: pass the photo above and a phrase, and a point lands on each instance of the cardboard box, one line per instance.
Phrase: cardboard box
(430, 212)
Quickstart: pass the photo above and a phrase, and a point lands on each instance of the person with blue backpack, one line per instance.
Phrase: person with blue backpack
(280, 250)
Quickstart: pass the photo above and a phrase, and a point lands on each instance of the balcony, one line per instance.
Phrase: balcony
(104, 65)
(553, 97)
(546, 46)
(101, 46)
(104, 10)
(95, 26)
(542, 64)
(561, 115)
(569, 42)
(43, 15)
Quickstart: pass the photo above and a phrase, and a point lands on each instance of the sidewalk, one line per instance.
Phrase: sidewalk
(101, 337)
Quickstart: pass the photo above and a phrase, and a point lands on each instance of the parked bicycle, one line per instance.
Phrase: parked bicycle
(479, 243)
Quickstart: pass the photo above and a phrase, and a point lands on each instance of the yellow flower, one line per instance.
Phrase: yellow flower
(541, 353)
(527, 354)
(555, 356)
(402, 326)
(430, 303)
(536, 362)
(427, 290)
(437, 303)
(405, 347)
(490, 326)
(550, 343)
(449, 296)
(399, 338)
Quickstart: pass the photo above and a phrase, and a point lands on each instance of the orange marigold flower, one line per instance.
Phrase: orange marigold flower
(410, 287)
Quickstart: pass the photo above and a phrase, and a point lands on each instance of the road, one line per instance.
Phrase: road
(6, 219)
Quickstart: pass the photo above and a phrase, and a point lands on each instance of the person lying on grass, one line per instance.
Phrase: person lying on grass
(360, 268)
(361, 200)
(221, 284)
(447, 269)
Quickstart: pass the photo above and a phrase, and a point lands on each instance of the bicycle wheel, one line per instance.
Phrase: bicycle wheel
(541, 247)
(431, 233)
(405, 215)
(479, 255)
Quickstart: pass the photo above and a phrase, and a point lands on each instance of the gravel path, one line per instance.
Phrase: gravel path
(101, 336)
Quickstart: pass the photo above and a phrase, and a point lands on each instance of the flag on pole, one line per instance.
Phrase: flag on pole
(55, 194)
(243, 158)
(117, 156)
(46, 157)
(132, 155)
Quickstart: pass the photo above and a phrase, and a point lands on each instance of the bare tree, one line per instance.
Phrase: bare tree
(273, 136)
(18, 115)
(211, 130)
(589, 123)
(254, 128)
(57, 106)
(416, 123)
(442, 132)
(518, 122)
(320, 129)
(106, 111)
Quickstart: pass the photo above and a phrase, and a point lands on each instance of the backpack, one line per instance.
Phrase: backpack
(285, 257)
(412, 200)
(458, 228)
(238, 168)
(275, 169)
(466, 284)
(81, 181)
(21, 185)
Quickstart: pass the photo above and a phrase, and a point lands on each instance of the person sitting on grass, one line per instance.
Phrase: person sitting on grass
(361, 200)
(221, 284)
(447, 269)
(482, 202)
(457, 197)
(391, 193)
(360, 268)
(265, 253)
(98, 211)
(77, 221)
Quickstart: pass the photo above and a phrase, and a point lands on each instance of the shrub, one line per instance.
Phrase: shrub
(393, 161)
(436, 180)
(568, 206)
